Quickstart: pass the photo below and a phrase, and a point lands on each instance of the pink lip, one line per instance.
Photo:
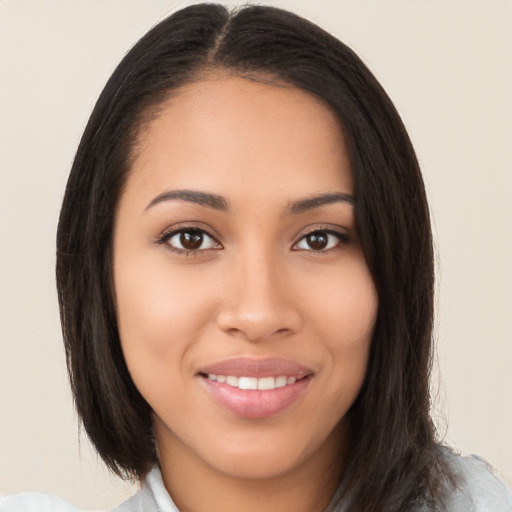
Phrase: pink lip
(250, 367)
(251, 403)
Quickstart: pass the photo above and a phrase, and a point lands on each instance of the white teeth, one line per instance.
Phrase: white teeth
(264, 383)
(232, 381)
(248, 383)
(280, 382)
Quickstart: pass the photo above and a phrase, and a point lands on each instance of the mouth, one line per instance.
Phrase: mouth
(256, 389)
(261, 384)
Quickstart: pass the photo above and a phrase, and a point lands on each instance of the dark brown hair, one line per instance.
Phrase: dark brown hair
(394, 461)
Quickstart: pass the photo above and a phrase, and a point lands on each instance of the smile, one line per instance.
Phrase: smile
(264, 383)
(256, 389)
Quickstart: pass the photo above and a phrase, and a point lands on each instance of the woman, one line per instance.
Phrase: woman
(245, 277)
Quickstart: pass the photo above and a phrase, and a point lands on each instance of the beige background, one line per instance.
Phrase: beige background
(447, 64)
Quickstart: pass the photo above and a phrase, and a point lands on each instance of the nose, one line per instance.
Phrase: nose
(258, 303)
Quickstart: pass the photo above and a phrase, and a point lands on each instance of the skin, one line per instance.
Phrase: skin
(255, 289)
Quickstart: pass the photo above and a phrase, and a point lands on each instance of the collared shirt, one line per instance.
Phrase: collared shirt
(481, 491)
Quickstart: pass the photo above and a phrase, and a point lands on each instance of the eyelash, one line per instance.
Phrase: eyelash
(343, 240)
(168, 235)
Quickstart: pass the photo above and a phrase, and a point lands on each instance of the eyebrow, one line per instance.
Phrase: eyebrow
(192, 196)
(220, 203)
(319, 200)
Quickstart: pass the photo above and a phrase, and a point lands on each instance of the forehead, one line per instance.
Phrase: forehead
(226, 132)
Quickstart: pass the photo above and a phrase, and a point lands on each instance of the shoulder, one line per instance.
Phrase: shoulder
(35, 501)
(152, 497)
(479, 489)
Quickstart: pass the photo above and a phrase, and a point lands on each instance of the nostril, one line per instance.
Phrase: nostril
(257, 319)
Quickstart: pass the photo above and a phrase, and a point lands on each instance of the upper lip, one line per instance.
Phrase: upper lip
(251, 367)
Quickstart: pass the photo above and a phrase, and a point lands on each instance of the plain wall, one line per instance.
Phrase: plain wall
(447, 65)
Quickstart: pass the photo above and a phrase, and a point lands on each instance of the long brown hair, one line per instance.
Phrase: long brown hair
(394, 459)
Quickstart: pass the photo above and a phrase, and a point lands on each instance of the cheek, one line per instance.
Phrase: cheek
(345, 309)
(354, 312)
(160, 313)
(345, 306)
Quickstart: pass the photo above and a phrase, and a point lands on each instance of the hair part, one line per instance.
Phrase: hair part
(394, 459)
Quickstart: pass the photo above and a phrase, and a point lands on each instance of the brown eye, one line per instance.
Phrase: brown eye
(320, 241)
(317, 241)
(191, 240)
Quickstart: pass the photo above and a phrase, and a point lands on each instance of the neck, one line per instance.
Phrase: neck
(196, 486)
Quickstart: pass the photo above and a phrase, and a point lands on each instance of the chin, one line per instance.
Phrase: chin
(258, 464)
(267, 456)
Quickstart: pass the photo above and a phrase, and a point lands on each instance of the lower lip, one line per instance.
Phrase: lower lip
(254, 404)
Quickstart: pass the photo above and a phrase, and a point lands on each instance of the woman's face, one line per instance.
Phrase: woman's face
(237, 266)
